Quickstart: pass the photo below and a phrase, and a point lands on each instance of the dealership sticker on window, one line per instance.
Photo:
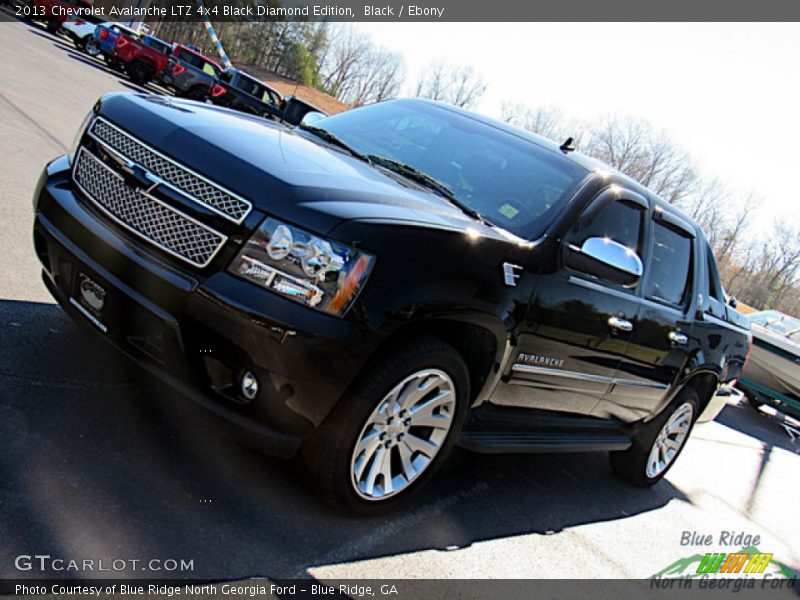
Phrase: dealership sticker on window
(508, 211)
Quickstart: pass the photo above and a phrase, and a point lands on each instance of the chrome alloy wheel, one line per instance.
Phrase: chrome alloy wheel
(403, 434)
(670, 440)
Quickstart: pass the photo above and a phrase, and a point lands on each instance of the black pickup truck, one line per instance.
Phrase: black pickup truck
(366, 292)
(239, 91)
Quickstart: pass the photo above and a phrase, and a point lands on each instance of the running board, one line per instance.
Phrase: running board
(512, 442)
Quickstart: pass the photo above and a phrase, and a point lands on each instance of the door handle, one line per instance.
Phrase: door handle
(676, 337)
(620, 324)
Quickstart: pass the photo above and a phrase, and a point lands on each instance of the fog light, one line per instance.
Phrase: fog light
(249, 385)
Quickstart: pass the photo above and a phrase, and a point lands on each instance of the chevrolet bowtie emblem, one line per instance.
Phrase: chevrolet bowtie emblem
(138, 176)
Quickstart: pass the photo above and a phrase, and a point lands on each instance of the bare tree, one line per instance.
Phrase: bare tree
(770, 278)
(348, 46)
(548, 122)
(783, 276)
(633, 147)
(358, 72)
(456, 85)
(381, 77)
(736, 227)
(467, 88)
(433, 85)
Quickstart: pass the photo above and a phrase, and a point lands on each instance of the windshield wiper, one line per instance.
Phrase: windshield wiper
(430, 182)
(398, 167)
(334, 140)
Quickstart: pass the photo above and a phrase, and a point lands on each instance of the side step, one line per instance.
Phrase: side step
(512, 442)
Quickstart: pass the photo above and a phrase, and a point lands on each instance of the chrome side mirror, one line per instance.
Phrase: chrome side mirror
(312, 117)
(606, 259)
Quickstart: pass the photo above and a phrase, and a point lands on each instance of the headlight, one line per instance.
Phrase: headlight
(310, 270)
(73, 149)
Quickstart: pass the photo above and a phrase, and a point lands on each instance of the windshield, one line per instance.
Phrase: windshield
(777, 322)
(513, 182)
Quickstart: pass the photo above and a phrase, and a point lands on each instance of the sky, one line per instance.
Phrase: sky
(729, 94)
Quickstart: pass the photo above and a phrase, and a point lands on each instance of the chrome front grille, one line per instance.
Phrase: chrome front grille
(160, 224)
(194, 186)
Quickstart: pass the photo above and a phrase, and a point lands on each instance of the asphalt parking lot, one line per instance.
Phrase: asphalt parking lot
(99, 461)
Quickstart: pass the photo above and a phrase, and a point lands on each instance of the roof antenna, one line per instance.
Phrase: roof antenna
(568, 145)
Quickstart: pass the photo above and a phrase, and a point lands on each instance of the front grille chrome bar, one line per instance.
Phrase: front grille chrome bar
(180, 178)
(137, 211)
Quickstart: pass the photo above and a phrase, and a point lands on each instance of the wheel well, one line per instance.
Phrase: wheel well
(705, 384)
(146, 64)
(476, 345)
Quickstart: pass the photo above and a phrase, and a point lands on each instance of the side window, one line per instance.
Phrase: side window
(620, 221)
(670, 268)
(209, 69)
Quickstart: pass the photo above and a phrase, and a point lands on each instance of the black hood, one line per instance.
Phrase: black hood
(283, 172)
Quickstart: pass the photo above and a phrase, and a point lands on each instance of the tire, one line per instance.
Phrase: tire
(113, 63)
(80, 43)
(197, 93)
(91, 46)
(140, 73)
(329, 458)
(637, 465)
(53, 25)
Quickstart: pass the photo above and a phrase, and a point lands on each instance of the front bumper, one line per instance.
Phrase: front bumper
(197, 332)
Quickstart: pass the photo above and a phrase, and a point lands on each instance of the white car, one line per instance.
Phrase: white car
(80, 29)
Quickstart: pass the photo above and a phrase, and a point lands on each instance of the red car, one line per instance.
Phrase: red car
(54, 12)
(144, 59)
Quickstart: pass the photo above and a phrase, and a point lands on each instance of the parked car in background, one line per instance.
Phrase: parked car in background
(237, 90)
(190, 74)
(81, 31)
(367, 292)
(53, 12)
(144, 58)
(772, 375)
(106, 35)
(294, 110)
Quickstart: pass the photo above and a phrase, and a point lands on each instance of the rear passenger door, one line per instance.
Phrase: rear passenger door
(661, 339)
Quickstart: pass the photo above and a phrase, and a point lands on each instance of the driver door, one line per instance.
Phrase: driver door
(578, 325)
